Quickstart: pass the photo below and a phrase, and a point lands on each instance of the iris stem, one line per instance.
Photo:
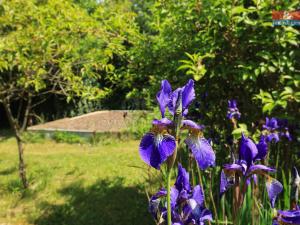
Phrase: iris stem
(169, 217)
(212, 198)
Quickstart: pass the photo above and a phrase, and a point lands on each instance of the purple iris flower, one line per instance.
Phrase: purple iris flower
(288, 217)
(166, 97)
(157, 145)
(271, 124)
(187, 203)
(284, 129)
(198, 145)
(246, 169)
(233, 111)
(276, 128)
(186, 93)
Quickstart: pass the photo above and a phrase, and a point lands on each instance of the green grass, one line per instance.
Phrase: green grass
(74, 184)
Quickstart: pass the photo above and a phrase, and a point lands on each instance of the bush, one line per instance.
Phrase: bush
(33, 137)
(67, 137)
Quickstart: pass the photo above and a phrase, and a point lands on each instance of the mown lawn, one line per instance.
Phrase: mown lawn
(74, 184)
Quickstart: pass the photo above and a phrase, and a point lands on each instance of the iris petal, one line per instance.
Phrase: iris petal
(156, 148)
(202, 151)
(163, 96)
(174, 97)
(206, 215)
(272, 136)
(198, 195)
(274, 187)
(183, 179)
(225, 183)
(234, 167)
(155, 201)
(259, 169)
(248, 150)
(189, 124)
(262, 148)
(188, 94)
(289, 216)
(174, 196)
(164, 122)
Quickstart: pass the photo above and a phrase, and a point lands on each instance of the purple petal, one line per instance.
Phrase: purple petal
(289, 217)
(262, 148)
(161, 193)
(183, 179)
(225, 183)
(189, 124)
(274, 187)
(234, 167)
(286, 134)
(174, 97)
(155, 201)
(206, 215)
(202, 151)
(183, 195)
(188, 94)
(198, 195)
(156, 148)
(248, 150)
(259, 169)
(163, 96)
(164, 122)
(272, 136)
(271, 124)
(232, 104)
(174, 196)
(233, 111)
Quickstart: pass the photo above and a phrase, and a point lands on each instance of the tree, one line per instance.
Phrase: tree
(50, 47)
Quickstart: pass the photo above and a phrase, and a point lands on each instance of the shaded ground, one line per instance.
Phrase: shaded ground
(100, 121)
(74, 184)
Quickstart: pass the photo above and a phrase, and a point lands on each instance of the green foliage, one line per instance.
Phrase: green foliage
(194, 65)
(140, 124)
(33, 137)
(67, 137)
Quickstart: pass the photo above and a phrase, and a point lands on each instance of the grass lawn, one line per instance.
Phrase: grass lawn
(73, 184)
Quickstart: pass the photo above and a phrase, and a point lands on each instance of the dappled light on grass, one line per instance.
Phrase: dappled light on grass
(97, 204)
(74, 184)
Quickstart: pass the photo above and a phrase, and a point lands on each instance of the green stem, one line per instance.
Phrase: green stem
(201, 182)
(169, 197)
(212, 198)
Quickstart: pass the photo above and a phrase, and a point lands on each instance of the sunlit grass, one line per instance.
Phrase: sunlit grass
(72, 183)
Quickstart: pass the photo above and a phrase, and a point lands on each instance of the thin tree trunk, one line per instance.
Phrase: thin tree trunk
(17, 132)
(26, 115)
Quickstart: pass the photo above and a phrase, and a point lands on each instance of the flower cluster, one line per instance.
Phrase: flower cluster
(244, 169)
(276, 128)
(233, 111)
(187, 203)
(160, 143)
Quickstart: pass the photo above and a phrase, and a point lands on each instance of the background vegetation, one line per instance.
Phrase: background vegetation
(72, 57)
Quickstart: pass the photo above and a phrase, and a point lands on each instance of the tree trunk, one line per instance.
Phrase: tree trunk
(22, 169)
(17, 132)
